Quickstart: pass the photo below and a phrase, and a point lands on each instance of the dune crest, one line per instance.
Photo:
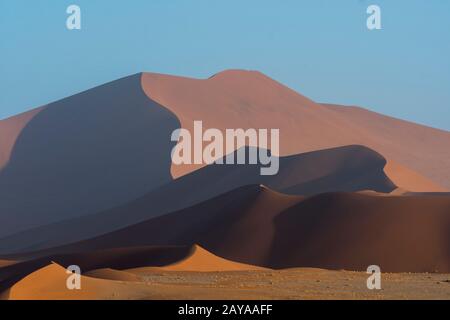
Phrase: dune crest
(10, 130)
(201, 260)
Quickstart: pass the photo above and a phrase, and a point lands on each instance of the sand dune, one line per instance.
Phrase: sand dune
(417, 147)
(255, 225)
(106, 138)
(352, 231)
(113, 258)
(201, 260)
(118, 264)
(349, 168)
(88, 180)
(49, 283)
(227, 207)
(249, 99)
(86, 153)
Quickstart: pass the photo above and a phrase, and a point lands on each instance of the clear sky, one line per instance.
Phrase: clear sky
(321, 48)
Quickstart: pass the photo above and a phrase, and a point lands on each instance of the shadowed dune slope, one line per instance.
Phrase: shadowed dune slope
(257, 226)
(86, 153)
(350, 168)
(249, 99)
(353, 231)
(226, 207)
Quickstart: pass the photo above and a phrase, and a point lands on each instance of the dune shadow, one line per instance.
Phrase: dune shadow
(86, 153)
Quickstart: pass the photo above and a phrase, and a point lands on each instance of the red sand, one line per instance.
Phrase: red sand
(249, 99)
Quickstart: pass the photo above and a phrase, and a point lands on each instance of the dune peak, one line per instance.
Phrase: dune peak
(232, 73)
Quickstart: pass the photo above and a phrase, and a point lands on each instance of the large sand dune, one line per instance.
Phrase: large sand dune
(108, 137)
(86, 153)
(109, 145)
(350, 168)
(258, 226)
(249, 99)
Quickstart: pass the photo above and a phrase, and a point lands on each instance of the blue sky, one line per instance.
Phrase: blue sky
(321, 48)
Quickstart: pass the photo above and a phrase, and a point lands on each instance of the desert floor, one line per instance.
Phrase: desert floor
(150, 283)
(295, 284)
